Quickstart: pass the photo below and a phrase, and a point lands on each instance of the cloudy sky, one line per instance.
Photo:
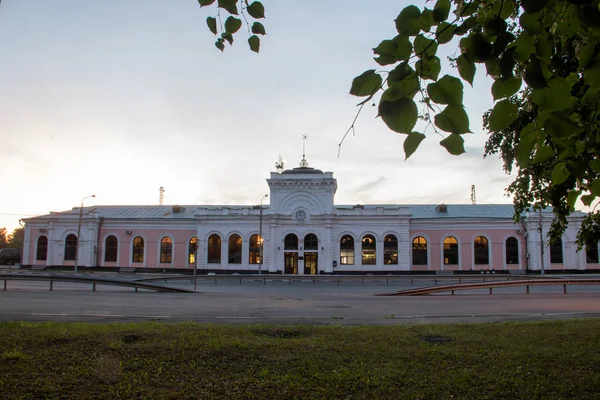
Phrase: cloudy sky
(120, 97)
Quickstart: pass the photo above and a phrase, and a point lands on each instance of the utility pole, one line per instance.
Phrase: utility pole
(260, 236)
(541, 244)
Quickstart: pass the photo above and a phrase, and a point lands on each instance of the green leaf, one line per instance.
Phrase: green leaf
(595, 165)
(479, 47)
(444, 33)
(448, 90)
(542, 154)
(366, 84)
(572, 199)
(492, 66)
(454, 144)
(405, 88)
(524, 47)
(543, 47)
(228, 37)
(254, 43)
(258, 28)
(228, 5)
(507, 63)
(560, 173)
(256, 10)
(530, 23)
(587, 199)
(205, 2)
(403, 48)
(555, 97)
(232, 24)
(587, 53)
(425, 47)
(441, 10)
(400, 115)
(408, 21)
(527, 139)
(503, 114)
(467, 8)
(592, 73)
(219, 44)
(466, 68)
(504, 9)
(453, 119)
(533, 6)
(212, 24)
(426, 20)
(595, 187)
(428, 68)
(411, 143)
(534, 76)
(401, 72)
(558, 126)
(394, 50)
(502, 88)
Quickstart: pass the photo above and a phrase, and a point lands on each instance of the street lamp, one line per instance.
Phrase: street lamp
(260, 236)
(79, 230)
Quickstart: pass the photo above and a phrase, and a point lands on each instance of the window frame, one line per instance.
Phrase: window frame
(347, 250)
(419, 255)
(368, 255)
(71, 243)
(390, 251)
(111, 249)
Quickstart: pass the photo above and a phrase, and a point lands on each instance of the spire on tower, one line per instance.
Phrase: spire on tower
(304, 163)
(279, 164)
(161, 195)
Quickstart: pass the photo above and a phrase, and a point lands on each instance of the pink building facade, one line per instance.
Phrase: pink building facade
(302, 231)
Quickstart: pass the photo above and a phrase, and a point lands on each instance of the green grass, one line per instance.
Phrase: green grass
(546, 360)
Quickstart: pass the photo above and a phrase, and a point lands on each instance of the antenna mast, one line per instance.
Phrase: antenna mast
(304, 163)
(161, 195)
(279, 164)
(473, 198)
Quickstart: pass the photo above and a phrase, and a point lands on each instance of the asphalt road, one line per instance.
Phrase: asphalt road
(299, 302)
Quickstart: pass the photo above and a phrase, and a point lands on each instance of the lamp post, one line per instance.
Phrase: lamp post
(79, 230)
(260, 236)
(540, 229)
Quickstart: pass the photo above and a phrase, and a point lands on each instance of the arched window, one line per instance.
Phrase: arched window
(311, 242)
(290, 242)
(235, 249)
(390, 250)
(192, 247)
(512, 250)
(214, 249)
(166, 250)
(41, 253)
(70, 247)
(556, 252)
(591, 253)
(419, 251)
(347, 250)
(450, 251)
(137, 255)
(481, 250)
(369, 256)
(111, 245)
(255, 249)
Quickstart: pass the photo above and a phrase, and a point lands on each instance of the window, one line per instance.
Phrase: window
(214, 249)
(111, 244)
(347, 250)
(42, 249)
(591, 253)
(311, 242)
(192, 248)
(481, 250)
(138, 250)
(512, 250)
(369, 256)
(166, 250)
(254, 249)
(390, 250)
(450, 251)
(290, 242)
(70, 247)
(235, 249)
(419, 251)
(556, 252)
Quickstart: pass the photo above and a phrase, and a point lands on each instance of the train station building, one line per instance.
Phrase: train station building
(303, 232)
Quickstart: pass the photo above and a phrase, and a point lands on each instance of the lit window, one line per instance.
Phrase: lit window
(347, 250)
(111, 244)
(42, 249)
(138, 250)
(70, 247)
(390, 250)
(369, 255)
(450, 251)
(419, 251)
(214, 249)
(192, 248)
(166, 250)
(235, 249)
(481, 250)
(255, 249)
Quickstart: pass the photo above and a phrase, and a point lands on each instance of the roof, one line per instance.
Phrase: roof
(430, 211)
(302, 170)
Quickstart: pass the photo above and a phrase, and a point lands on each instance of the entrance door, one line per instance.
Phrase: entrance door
(311, 264)
(291, 263)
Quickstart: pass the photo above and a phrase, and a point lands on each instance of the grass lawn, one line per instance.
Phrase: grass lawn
(545, 360)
